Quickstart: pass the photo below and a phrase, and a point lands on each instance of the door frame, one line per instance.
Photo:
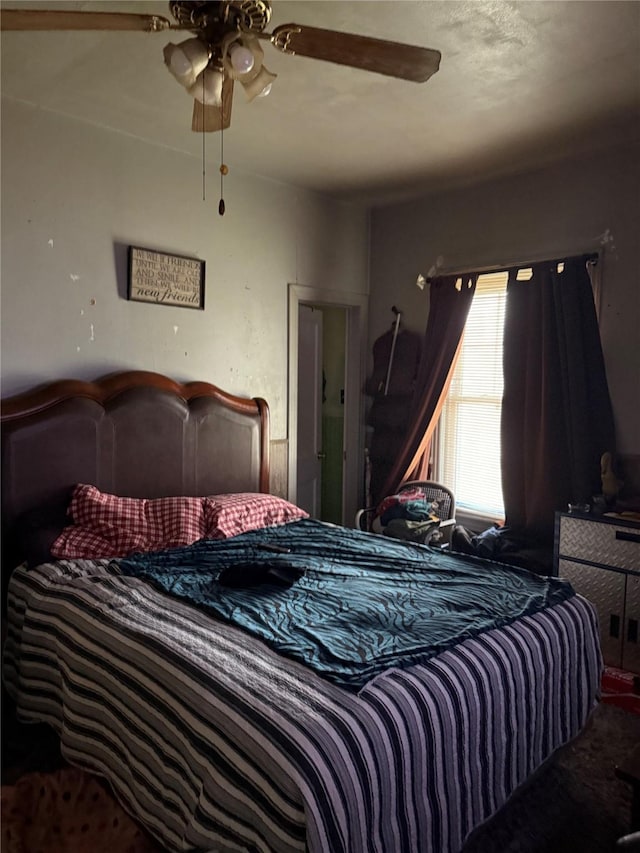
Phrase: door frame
(356, 307)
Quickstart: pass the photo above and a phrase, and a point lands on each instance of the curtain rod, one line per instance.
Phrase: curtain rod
(592, 256)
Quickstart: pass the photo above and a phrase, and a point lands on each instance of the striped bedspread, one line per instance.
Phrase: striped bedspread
(216, 743)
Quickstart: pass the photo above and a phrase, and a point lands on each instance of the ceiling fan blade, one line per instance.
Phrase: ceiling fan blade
(384, 57)
(210, 119)
(42, 19)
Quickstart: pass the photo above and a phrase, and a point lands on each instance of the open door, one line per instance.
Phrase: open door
(354, 308)
(309, 466)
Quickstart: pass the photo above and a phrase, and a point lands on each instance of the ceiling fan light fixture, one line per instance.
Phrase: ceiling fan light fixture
(187, 60)
(241, 47)
(224, 46)
(259, 85)
(241, 58)
(207, 88)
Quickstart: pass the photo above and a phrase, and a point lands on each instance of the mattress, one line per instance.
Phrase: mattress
(215, 742)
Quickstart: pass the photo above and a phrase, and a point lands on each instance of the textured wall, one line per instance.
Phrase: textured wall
(75, 196)
(585, 204)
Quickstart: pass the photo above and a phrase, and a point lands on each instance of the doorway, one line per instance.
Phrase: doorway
(321, 394)
(333, 429)
(311, 398)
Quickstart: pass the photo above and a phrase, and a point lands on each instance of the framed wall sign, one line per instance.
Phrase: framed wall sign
(165, 279)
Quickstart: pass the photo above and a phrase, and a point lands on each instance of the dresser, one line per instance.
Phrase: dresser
(600, 556)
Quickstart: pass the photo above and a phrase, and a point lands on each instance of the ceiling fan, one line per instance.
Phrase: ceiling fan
(225, 48)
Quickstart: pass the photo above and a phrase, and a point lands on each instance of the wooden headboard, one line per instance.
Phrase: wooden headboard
(134, 434)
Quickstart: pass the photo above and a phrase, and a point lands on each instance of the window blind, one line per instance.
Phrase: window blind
(468, 452)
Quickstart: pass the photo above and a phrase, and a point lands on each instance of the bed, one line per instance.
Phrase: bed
(212, 736)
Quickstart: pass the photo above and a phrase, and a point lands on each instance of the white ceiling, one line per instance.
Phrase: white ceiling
(520, 83)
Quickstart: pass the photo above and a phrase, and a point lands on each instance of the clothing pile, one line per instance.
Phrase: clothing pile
(409, 516)
(513, 547)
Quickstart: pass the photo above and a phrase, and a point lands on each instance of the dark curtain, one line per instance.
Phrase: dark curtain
(557, 418)
(448, 309)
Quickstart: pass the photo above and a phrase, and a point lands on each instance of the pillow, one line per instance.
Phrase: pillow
(105, 525)
(244, 511)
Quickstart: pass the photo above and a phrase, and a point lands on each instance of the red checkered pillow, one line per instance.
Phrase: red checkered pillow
(108, 526)
(243, 511)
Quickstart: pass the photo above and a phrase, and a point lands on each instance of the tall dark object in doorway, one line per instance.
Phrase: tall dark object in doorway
(396, 356)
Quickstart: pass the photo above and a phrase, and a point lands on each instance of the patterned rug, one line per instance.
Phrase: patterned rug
(66, 811)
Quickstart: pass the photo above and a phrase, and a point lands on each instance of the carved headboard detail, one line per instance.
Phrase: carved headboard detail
(134, 434)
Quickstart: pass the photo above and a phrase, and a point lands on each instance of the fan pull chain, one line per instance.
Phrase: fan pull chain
(224, 169)
(204, 168)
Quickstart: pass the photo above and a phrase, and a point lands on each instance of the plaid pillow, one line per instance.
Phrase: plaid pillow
(243, 511)
(105, 525)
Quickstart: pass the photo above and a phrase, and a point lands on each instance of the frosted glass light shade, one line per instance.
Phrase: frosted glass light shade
(241, 58)
(258, 85)
(243, 47)
(185, 61)
(207, 88)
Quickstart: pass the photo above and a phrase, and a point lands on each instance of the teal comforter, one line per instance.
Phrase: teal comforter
(362, 604)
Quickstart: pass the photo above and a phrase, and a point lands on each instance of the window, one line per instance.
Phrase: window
(468, 449)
